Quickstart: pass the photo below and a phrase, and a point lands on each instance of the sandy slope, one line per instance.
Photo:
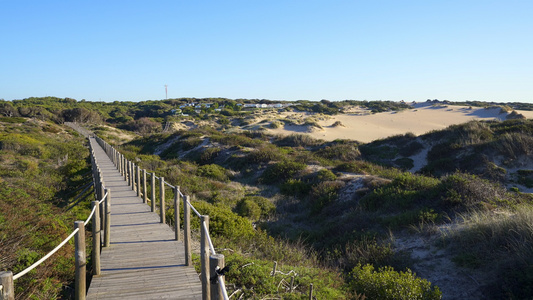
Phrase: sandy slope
(419, 120)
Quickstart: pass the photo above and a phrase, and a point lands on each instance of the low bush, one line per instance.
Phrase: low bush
(324, 193)
(249, 209)
(281, 171)
(463, 191)
(254, 279)
(411, 149)
(223, 222)
(208, 155)
(386, 283)
(296, 140)
(295, 187)
(513, 145)
(343, 152)
(264, 154)
(325, 175)
(213, 171)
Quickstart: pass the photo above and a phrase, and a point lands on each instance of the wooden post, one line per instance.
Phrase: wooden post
(132, 174)
(124, 168)
(8, 289)
(79, 261)
(107, 230)
(177, 213)
(138, 181)
(126, 172)
(144, 187)
(120, 162)
(96, 238)
(311, 291)
(216, 260)
(187, 231)
(162, 199)
(152, 203)
(102, 206)
(274, 268)
(204, 257)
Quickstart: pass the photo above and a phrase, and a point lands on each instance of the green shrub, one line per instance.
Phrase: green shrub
(343, 152)
(295, 187)
(296, 140)
(324, 193)
(385, 283)
(249, 209)
(514, 144)
(264, 154)
(213, 171)
(281, 171)
(366, 250)
(12, 120)
(404, 163)
(406, 191)
(469, 191)
(325, 175)
(254, 279)
(411, 148)
(190, 143)
(267, 208)
(222, 221)
(358, 166)
(275, 124)
(208, 155)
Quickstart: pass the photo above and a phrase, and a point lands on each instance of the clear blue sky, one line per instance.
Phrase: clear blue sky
(278, 50)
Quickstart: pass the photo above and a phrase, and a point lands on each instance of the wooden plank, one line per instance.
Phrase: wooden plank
(144, 261)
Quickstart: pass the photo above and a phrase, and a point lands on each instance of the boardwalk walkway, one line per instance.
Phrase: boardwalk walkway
(144, 260)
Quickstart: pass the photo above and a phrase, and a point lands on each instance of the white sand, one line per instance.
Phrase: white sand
(419, 120)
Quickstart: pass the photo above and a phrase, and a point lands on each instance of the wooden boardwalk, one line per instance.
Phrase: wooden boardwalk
(144, 261)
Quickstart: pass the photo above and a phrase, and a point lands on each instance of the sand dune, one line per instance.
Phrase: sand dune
(419, 120)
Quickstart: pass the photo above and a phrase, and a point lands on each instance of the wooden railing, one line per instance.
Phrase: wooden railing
(100, 219)
(213, 286)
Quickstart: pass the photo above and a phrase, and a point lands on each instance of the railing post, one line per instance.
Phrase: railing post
(125, 168)
(216, 260)
(119, 163)
(80, 260)
(187, 231)
(152, 203)
(144, 187)
(107, 232)
(96, 238)
(138, 173)
(8, 289)
(311, 291)
(129, 173)
(177, 212)
(204, 257)
(102, 205)
(132, 177)
(162, 199)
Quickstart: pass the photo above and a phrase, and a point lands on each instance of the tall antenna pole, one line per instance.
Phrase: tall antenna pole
(166, 92)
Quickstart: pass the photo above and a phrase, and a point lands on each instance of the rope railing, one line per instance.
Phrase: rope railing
(208, 238)
(131, 174)
(194, 209)
(7, 278)
(40, 261)
(94, 209)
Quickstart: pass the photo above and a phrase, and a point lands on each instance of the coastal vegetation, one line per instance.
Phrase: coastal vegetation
(339, 215)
